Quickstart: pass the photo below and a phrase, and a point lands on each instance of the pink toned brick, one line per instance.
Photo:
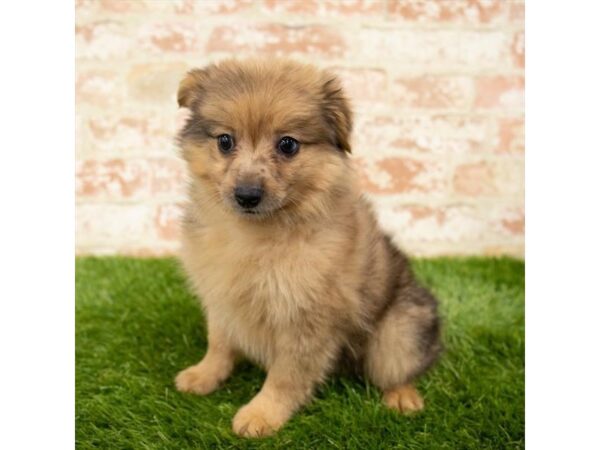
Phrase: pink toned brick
(199, 8)
(115, 179)
(99, 87)
(325, 8)
(125, 179)
(114, 225)
(116, 39)
(123, 6)
(185, 6)
(167, 222)
(401, 175)
(510, 178)
(81, 143)
(362, 84)
(518, 49)
(510, 135)
(169, 37)
(500, 92)
(275, 39)
(513, 222)
(454, 225)
(442, 135)
(503, 178)
(449, 11)
(437, 88)
(103, 40)
(432, 92)
(156, 83)
(439, 49)
(132, 133)
(168, 177)
(517, 12)
(212, 7)
(474, 179)
(426, 224)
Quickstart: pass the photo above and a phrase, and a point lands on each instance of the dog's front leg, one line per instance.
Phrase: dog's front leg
(298, 367)
(206, 376)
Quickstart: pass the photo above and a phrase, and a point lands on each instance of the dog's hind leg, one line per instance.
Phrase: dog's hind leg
(404, 344)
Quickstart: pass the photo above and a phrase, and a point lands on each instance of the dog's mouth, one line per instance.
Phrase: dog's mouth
(263, 211)
(258, 214)
(250, 213)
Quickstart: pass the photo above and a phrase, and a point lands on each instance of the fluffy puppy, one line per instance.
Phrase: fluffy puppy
(284, 253)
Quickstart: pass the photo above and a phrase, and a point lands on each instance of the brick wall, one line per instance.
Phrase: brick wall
(437, 88)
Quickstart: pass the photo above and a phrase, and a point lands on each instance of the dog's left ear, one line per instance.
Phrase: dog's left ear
(338, 114)
(191, 87)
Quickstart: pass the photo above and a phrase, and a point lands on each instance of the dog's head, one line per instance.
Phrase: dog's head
(265, 138)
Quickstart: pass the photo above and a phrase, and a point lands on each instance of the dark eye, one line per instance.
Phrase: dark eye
(225, 142)
(288, 146)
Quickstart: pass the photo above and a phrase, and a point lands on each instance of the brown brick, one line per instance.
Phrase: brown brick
(277, 40)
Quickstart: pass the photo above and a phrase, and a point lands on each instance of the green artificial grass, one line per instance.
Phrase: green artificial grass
(138, 325)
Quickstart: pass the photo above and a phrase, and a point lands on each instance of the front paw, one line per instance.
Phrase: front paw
(197, 379)
(253, 421)
(405, 399)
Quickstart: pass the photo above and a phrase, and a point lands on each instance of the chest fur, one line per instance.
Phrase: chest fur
(272, 278)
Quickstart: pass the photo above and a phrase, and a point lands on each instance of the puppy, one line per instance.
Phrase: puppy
(284, 253)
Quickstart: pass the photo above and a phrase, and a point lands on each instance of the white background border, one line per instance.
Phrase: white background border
(37, 357)
(37, 225)
(563, 224)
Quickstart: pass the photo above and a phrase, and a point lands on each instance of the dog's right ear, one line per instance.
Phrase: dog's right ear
(191, 87)
(337, 112)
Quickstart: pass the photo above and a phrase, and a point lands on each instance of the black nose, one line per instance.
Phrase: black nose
(248, 196)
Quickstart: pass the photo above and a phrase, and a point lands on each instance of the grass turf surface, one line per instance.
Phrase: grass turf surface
(138, 325)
